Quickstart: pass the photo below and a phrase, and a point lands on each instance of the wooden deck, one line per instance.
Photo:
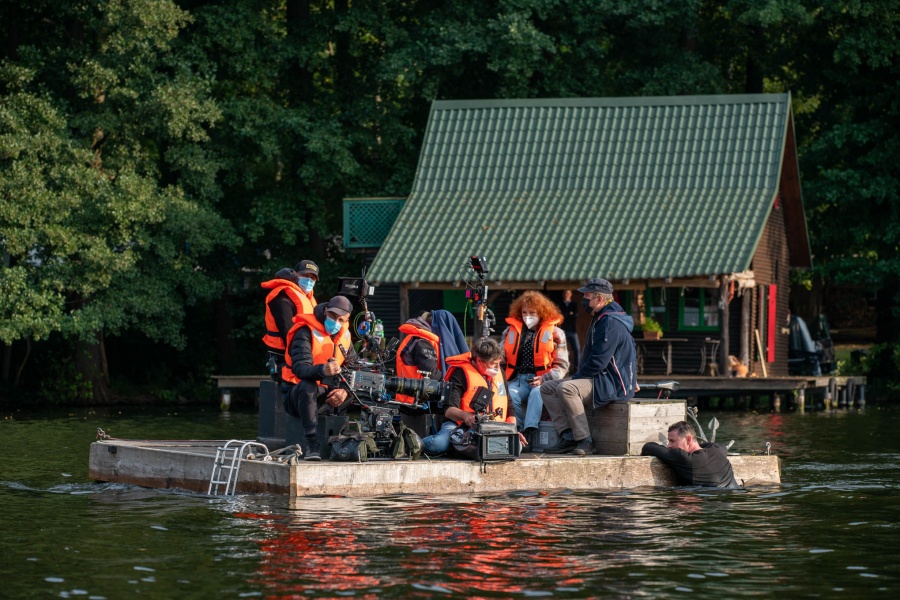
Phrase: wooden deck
(798, 391)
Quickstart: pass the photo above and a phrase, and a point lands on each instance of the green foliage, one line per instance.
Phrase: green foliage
(158, 158)
(63, 384)
(651, 324)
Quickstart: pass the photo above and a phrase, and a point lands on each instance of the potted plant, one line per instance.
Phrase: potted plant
(652, 329)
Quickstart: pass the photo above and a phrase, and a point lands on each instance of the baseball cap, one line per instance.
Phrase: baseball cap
(307, 267)
(339, 305)
(597, 285)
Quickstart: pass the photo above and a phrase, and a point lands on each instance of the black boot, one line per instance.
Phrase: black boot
(311, 451)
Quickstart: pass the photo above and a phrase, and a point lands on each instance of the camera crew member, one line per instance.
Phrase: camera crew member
(290, 294)
(418, 352)
(606, 373)
(466, 373)
(535, 352)
(313, 354)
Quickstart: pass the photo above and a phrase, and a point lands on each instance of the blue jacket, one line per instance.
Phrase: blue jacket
(452, 340)
(608, 358)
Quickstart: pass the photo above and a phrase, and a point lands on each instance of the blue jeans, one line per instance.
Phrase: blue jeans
(440, 441)
(521, 393)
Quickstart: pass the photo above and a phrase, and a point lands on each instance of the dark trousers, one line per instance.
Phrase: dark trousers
(574, 349)
(306, 400)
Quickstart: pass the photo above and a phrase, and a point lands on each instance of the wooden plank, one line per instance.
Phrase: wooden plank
(234, 382)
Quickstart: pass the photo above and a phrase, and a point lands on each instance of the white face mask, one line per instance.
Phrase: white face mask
(491, 373)
(530, 322)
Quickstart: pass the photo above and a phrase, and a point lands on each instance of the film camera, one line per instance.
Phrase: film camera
(380, 414)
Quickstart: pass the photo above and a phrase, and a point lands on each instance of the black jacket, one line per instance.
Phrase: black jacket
(708, 466)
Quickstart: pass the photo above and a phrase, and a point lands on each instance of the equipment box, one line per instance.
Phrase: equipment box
(544, 437)
(624, 427)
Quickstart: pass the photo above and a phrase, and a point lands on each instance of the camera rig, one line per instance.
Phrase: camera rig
(379, 412)
(476, 293)
(368, 328)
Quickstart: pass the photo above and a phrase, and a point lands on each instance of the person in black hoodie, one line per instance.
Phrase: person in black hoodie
(607, 371)
(694, 463)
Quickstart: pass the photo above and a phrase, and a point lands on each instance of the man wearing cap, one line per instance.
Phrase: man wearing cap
(290, 294)
(606, 373)
(317, 344)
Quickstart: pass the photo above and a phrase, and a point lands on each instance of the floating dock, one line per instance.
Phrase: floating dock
(188, 465)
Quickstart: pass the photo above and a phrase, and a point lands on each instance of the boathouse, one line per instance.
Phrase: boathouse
(690, 205)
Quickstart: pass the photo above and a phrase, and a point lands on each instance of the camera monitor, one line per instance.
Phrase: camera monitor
(499, 441)
(354, 287)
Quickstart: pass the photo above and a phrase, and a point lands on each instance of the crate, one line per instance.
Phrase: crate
(544, 437)
(624, 427)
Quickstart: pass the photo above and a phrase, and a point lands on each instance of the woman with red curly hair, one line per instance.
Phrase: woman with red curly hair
(535, 352)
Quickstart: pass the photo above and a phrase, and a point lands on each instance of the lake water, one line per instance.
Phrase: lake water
(832, 529)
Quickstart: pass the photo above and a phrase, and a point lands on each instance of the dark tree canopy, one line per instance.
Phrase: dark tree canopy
(157, 157)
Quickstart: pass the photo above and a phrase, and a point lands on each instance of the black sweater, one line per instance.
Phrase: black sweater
(708, 466)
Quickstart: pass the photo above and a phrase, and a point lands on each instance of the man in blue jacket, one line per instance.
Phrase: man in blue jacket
(606, 373)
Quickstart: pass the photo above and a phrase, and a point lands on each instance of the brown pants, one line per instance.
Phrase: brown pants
(566, 400)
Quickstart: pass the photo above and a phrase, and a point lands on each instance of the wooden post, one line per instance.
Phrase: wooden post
(801, 400)
(776, 402)
(724, 368)
(762, 356)
(746, 302)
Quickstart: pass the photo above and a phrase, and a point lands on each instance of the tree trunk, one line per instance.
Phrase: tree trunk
(90, 363)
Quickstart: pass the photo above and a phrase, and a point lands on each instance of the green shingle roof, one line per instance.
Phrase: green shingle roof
(567, 189)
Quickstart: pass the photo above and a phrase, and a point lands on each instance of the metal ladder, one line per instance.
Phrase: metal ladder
(228, 464)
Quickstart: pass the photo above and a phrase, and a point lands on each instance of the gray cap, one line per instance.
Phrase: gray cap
(597, 285)
(339, 305)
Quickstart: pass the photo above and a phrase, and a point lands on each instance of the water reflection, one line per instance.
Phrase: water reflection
(830, 530)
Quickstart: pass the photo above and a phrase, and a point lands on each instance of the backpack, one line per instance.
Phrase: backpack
(408, 443)
(355, 446)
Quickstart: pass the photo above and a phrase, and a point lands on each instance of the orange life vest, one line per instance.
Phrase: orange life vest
(411, 371)
(303, 302)
(323, 345)
(475, 380)
(544, 345)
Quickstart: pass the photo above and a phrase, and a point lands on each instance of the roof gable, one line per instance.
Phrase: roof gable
(565, 189)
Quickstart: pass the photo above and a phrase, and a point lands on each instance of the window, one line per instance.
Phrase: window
(635, 304)
(632, 302)
(698, 308)
(657, 306)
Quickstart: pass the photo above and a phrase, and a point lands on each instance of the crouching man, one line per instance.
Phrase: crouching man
(694, 463)
(467, 374)
(314, 352)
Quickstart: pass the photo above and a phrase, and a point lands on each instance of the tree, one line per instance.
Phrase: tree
(106, 217)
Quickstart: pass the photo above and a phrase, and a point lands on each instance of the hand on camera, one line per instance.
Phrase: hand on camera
(336, 397)
(331, 367)
(469, 419)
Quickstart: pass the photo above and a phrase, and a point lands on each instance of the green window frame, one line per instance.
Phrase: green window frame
(698, 310)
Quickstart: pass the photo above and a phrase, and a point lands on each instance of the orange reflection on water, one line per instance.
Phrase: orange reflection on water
(327, 552)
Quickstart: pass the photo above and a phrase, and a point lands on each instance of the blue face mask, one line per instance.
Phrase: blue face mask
(306, 284)
(332, 326)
